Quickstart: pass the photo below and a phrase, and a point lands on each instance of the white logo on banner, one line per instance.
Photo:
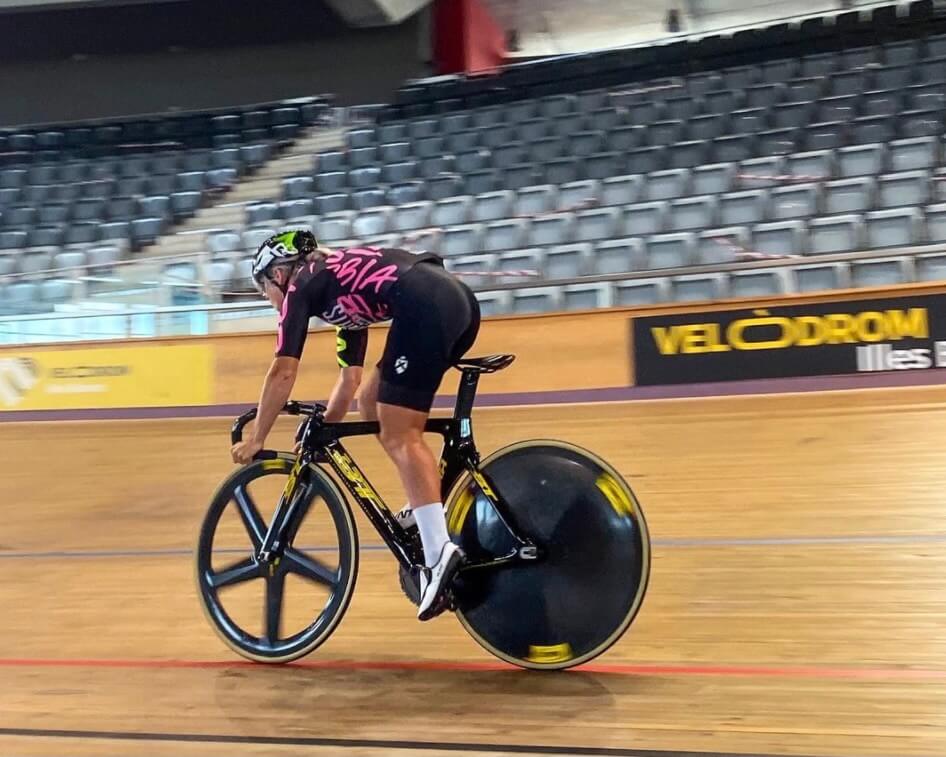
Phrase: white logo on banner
(17, 377)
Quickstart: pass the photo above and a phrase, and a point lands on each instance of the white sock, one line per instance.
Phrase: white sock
(432, 524)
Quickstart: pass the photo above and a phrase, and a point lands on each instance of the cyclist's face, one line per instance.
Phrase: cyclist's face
(273, 293)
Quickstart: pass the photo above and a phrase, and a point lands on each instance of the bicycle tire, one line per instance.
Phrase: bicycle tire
(298, 645)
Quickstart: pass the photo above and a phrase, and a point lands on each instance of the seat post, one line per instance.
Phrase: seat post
(466, 394)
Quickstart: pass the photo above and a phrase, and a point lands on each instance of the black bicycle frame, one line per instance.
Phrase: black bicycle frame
(321, 443)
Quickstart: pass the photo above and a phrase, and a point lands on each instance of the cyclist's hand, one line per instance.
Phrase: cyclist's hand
(245, 451)
(297, 449)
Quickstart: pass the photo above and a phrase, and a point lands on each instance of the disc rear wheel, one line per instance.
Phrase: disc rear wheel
(580, 597)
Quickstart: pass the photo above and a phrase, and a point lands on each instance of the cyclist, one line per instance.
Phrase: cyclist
(434, 321)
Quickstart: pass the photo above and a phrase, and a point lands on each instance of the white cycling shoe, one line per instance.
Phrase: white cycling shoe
(436, 580)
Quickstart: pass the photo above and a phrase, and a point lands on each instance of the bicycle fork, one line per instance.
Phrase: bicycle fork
(284, 523)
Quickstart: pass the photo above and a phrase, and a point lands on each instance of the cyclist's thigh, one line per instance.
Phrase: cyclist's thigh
(426, 330)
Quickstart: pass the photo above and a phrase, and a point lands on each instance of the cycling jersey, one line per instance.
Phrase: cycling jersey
(350, 288)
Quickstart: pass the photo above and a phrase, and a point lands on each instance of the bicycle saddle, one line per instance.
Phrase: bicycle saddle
(488, 364)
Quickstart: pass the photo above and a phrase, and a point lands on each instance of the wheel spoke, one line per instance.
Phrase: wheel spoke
(241, 571)
(308, 567)
(275, 584)
(252, 520)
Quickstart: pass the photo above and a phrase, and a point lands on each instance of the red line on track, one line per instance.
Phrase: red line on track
(641, 669)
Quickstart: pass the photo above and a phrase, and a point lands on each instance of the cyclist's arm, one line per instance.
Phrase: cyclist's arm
(290, 341)
(349, 379)
(350, 348)
(277, 388)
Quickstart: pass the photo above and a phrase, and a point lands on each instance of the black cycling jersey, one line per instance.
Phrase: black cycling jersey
(350, 288)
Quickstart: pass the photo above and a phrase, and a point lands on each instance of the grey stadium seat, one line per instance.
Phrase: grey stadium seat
(758, 283)
(262, 212)
(444, 187)
(493, 206)
(70, 260)
(849, 195)
(412, 216)
(55, 291)
(798, 201)
(666, 185)
(253, 238)
(692, 213)
(481, 182)
(331, 203)
(619, 256)
(361, 178)
(780, 238)
(670, 250)
(686, 154)
(747, 207)
(366, 198)
(293, 209)
(646, 218)
(46, 236)
(156, 207)
(598, 223)
(936, 223)
(712, 179)
(913, 154)
(35, 261)
(532, 259)
(224, 242)
(552, 229)
(835, 234)
(621, 190)
(568, 261)
(699, 287)
(881, 272)
(462, 240)
(930, 267)
(893, 228)
(863, 160)
(536, 300)
(718, 246)
(452, 211)
(537, 199)
(147, 230)
(505, 235)
(372, 223)
(903, 189)
(641, 292)
(335, 227)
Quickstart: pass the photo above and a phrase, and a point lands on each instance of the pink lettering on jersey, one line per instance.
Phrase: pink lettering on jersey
(355, 307)
(282, 316)
(355, 269)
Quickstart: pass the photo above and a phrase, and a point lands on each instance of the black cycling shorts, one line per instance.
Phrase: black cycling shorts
(435, 321)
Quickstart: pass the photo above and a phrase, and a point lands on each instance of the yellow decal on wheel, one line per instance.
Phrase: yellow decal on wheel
(458, 513)
(550, 654)
(615, 494)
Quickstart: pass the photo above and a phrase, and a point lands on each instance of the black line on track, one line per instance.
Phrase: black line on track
(427, 746)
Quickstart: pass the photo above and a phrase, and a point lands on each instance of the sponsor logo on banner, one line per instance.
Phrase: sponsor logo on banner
(826, 338)
(156, 376)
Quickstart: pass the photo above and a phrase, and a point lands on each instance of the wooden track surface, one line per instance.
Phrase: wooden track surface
(796, 606)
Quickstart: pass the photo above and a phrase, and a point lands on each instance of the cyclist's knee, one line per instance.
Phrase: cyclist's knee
(401, 443)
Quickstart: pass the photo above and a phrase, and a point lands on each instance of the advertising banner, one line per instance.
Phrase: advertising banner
(157, 376)
(819, 339)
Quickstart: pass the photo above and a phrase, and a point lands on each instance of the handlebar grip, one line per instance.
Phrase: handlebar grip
(266, 454)
(292, 408)
(236, 433)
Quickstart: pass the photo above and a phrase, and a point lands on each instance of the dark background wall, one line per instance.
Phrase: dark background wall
(86, 63)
